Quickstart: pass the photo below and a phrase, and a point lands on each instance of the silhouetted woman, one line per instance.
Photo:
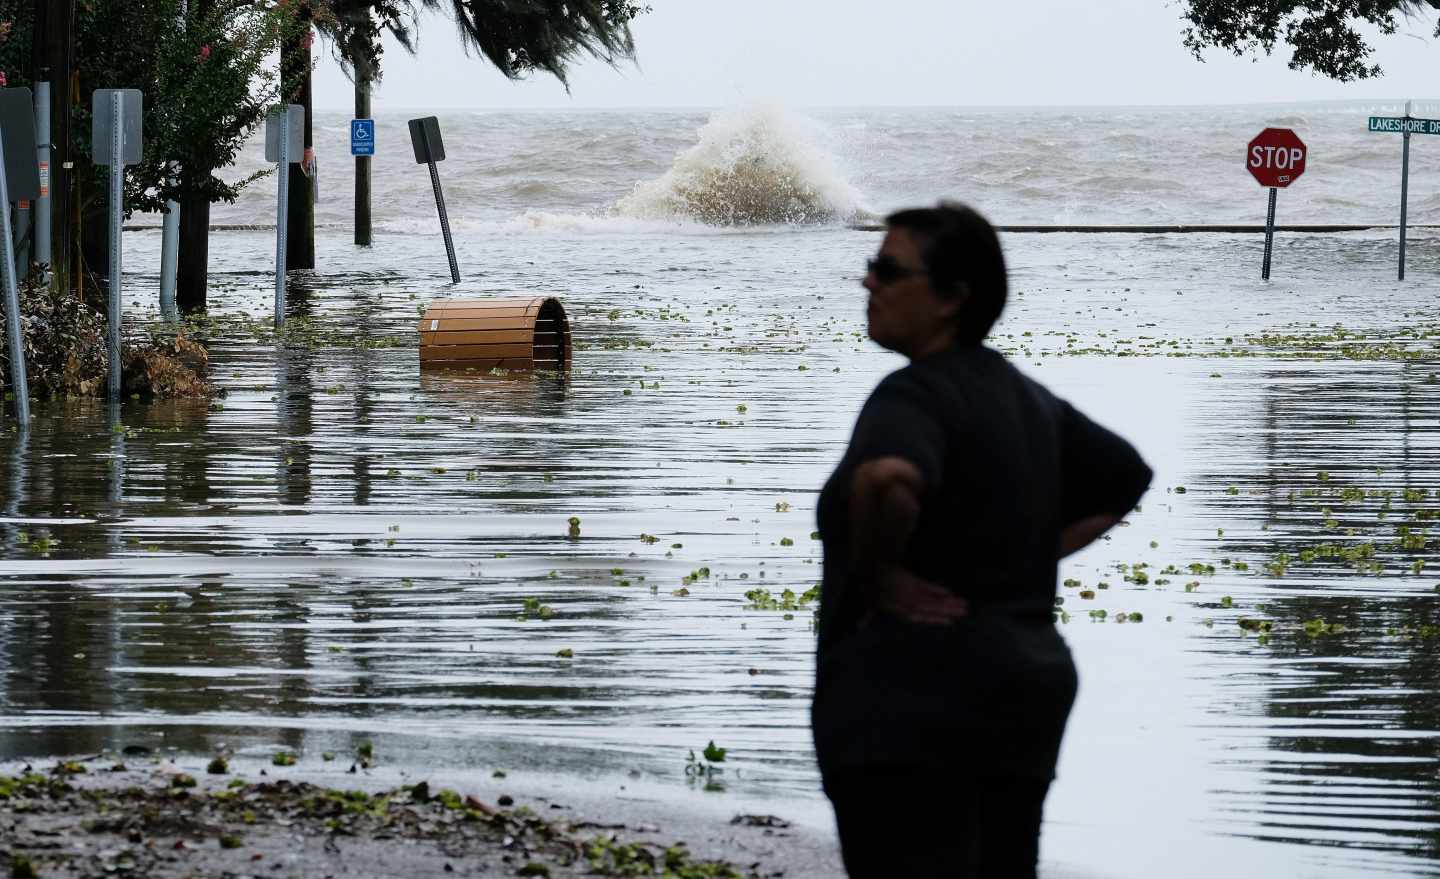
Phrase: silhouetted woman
(942, 686)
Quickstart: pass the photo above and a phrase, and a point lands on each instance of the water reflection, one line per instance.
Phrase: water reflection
(1348, 459)
(344, 548)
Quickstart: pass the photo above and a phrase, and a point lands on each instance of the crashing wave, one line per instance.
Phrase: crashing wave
(752, 166)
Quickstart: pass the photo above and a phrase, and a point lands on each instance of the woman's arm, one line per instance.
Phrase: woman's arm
(884, 507)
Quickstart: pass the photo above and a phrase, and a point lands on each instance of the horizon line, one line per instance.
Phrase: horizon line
(1324, 102)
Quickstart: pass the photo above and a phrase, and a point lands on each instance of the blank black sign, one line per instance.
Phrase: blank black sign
(17, 125)
(425, 138)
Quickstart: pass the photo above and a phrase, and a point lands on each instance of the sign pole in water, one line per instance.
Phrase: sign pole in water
(1405, 126)
(19, 180)
(1275, 158)
(18, 379)
(1404, 188)
(115, 140)
(284, 145)
(1269, 234)
(429, 149)
(362, 147)
(117, 218)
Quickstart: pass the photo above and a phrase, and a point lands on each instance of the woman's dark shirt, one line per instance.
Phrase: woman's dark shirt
(1006, 466)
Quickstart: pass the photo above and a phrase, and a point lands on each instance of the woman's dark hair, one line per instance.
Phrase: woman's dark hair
(961, 250)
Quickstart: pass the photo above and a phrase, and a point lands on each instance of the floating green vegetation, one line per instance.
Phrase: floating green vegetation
(284, 758)
(22, 868)
(607, 856)
(1318, 627)
(761, 599)
(706, 766)
(1421, 631)
(218, 766)
(532, 608)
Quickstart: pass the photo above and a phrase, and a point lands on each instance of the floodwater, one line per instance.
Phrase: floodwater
(342, 548)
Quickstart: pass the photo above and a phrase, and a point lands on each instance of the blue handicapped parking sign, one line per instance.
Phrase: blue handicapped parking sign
(362, 137)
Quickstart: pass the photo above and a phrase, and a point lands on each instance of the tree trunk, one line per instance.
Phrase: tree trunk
(295, 86)
(363, 236)
(192, 274)
(53, 56)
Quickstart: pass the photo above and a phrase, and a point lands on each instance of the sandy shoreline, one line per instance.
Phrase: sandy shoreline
(138, 815)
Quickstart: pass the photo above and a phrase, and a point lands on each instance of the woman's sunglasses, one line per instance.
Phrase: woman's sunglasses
(886, 270)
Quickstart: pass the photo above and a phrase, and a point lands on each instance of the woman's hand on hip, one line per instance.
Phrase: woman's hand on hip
(898, 593)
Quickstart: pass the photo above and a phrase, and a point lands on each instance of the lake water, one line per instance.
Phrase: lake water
(341, 548)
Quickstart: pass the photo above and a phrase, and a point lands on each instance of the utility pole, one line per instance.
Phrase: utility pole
(295, 85)
(363, 235)
(170, 234)
(54, 51)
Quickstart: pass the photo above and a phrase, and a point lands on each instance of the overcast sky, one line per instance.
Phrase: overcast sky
(703, 53)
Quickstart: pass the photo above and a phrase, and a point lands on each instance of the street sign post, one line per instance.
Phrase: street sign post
(19, 180)
(1405, 126)
(1275, 158)
(116, 139)
(285, 146)
(362, 137)
(429, 149)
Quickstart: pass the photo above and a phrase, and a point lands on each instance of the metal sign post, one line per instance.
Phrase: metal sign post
(1404, 196)
(1405, 126)
(1269, 235)
(115, 140)
(19, 180)
(18, 379)
(285, 146)
(429, 149)
(1275, 158)
(362, 147)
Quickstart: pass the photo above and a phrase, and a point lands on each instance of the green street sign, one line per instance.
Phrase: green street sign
(1404, 125)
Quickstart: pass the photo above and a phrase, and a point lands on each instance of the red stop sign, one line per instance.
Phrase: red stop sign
(1276, 157)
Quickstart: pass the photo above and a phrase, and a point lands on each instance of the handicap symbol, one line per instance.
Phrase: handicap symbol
(361, 131)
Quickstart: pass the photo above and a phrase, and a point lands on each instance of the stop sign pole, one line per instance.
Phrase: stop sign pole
(1275, 158)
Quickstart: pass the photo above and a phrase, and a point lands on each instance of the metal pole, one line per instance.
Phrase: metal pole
(444, 224)
(1404, 193)
(282, 210)
(169, 259)
(1269, 234)
(363, 235)
(170, 234)
(42, 204)
(117, 193)
(18, 380)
